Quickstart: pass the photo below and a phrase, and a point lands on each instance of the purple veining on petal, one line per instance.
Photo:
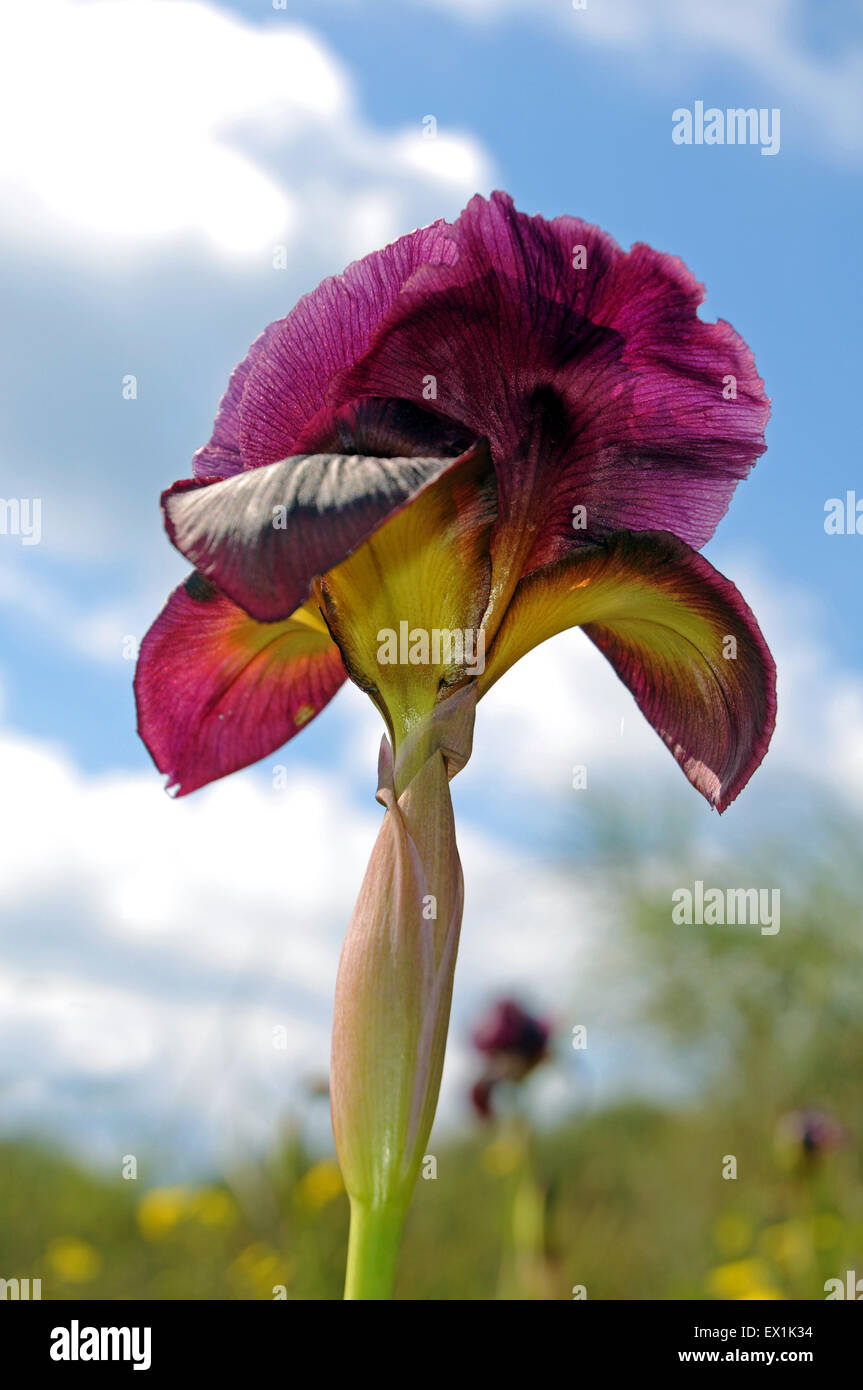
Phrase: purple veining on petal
(282, 382)
(597, 387)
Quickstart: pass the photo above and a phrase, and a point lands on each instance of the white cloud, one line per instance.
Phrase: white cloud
(154, 945)
(150, 946)
(132, 124)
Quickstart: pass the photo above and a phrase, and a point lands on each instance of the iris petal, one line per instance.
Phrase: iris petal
(282, 382)
(216, 690)
(406, 608)
(220, 457)
(588, 370)
(266, 535)
(677, 633)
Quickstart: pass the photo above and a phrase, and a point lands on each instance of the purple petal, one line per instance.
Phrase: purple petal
(281, 384)
(597, 387)
(380, 428)
(221, 457)
(216, 690)
(267, 534)
(677, 633)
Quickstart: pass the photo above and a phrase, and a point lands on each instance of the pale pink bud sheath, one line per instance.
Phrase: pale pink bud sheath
(393, 994)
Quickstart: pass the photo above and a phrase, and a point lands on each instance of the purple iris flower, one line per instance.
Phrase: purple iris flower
(483, 435)
(555, 407)
(513, 1042)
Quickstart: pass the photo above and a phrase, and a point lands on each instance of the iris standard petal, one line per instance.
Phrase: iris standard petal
(678, 634)
(220, 457)
(216, 690)
(589, 371)
(379, 428)
(281, 383)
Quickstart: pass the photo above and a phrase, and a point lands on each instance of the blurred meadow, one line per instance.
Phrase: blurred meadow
(625, 1198)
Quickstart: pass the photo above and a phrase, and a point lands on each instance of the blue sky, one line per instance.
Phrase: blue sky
(159, 152)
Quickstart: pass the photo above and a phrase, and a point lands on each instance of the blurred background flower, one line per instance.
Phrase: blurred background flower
(73, 1261)
(512, 1042)
(807, 1136)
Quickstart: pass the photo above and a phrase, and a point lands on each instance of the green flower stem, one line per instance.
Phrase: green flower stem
(373, 1250)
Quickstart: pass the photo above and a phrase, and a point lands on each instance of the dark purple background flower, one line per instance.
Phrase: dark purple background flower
(512, 1042)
